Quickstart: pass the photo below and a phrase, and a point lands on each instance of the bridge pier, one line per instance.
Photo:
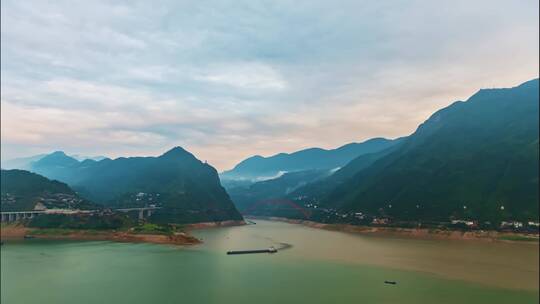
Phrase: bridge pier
(7, 217)
(141, 214)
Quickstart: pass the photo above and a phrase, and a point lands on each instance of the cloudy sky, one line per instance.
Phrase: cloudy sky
(230, 79)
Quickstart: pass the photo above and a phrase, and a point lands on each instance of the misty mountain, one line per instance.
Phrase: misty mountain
(187, 189)
(258, 167)
(323, 187)
(26, 163)
(22, 163)
(466, 160)
(55, 165)
(247, 197)
(85, 157)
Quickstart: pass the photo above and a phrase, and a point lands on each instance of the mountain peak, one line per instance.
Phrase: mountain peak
(57, 158)
(177, 152)
(58, 153)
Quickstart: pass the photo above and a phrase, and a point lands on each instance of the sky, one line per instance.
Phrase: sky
(230, 79)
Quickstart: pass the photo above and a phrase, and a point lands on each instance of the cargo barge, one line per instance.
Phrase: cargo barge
(269, 250)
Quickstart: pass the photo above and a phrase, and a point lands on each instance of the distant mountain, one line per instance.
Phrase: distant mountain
(55, 165)
(187, 189)
(248, 197)
(23, 163)
(476, 159)
(26, 163)
(258, 167)
(309, 185)
(323, 187)
(84, 157)
(22, 190)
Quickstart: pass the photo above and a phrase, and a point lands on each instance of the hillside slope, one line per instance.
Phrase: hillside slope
(22, 191)
(468, 159)
(186, 189)
(258, 167)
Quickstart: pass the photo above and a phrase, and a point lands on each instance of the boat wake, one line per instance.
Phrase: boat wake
(283, 246)
(279, 245)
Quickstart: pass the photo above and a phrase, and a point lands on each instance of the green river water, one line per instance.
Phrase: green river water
(320, 267)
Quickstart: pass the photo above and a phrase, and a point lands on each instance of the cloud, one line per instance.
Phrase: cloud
(230, 79)
(245, 76)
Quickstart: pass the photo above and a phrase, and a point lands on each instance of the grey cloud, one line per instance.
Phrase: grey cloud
(229, 79)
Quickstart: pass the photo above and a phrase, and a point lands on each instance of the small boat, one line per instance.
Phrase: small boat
(390, 282)
(28, 236)
(271, 249)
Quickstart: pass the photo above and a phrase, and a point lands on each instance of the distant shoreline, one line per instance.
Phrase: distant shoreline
(415, 233)
(204, 225)
(18, 232)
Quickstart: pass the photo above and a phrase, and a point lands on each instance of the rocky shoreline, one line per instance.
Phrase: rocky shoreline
(419, 233)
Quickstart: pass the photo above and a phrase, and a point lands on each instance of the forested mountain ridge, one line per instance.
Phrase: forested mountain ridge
(477, 159)
(257, 167)
(187, 189)
(23, 191)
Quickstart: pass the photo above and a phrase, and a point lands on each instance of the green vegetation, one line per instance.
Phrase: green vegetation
(82, 221)
(246, 197)
(304, 160)
(187, 189)
(146, 228)
(149, 228)
(471, 160)
(22, 190)
(52, 231)
(63, 224)
(465, 161)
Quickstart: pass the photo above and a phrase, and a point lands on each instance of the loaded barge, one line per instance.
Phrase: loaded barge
(269, 250)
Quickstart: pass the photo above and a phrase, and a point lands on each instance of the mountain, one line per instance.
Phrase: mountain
(22, 190)
(248, 198)
(186, 189)
(27, 163)
(258, 167)
(324, 186)
(84, 157)
(476, 159)
(258, 198)
(54, 165)
(23, 163)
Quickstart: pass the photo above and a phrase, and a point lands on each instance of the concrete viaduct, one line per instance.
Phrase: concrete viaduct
(15, 216)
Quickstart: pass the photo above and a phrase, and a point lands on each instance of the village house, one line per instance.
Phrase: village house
(511, 224)
(464, 222)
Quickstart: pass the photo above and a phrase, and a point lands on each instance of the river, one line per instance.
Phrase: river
(316, 266)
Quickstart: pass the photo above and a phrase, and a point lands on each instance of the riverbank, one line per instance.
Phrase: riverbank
(417, 233)
(17, 232)
(133, 235)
